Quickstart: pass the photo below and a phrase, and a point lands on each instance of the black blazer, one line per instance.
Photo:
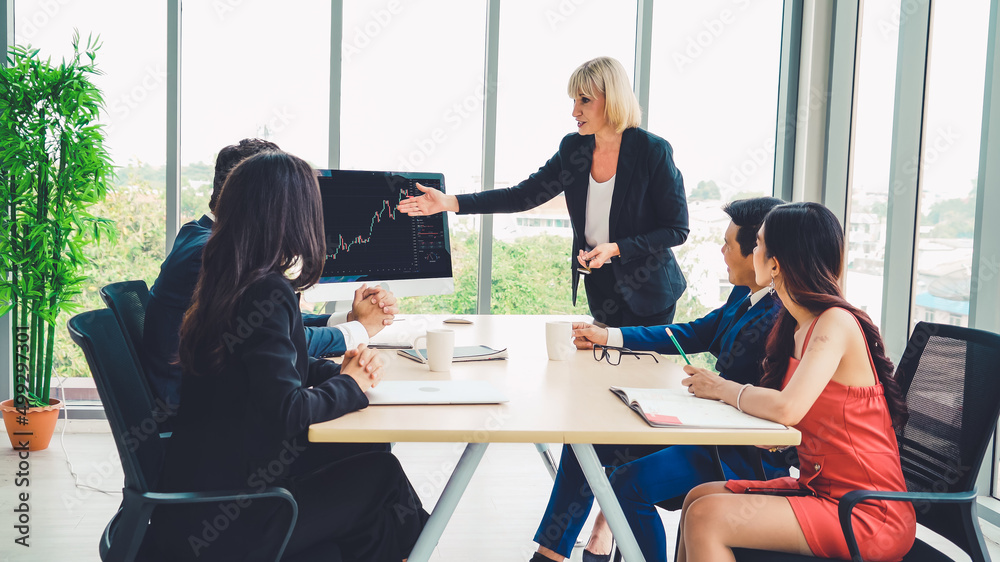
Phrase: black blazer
(268, 392)
(169, 298)
(648, 212)
(244, 426)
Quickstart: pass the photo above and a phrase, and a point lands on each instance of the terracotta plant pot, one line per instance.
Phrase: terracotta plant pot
(34, 428)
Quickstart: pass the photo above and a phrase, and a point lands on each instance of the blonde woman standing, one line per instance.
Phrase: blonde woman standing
(624, 194)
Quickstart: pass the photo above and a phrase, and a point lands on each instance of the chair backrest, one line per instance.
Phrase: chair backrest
(128, 300)
(951, 378)
(125, 395)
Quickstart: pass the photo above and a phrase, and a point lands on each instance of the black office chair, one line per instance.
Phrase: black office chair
(951, 379)
(129, 408)
(128, 300)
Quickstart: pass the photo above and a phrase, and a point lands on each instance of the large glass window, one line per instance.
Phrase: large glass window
(950, 161)
(531, 250)
(239, 81)
(133, 59)
(876, 75)
(413, 91)
(714, 97)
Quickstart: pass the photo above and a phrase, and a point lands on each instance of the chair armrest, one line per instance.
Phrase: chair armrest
(151, 499)
(162, 498)
(854, 497)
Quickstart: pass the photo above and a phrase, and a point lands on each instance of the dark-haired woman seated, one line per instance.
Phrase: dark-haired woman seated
(250, 392)
(826, 374)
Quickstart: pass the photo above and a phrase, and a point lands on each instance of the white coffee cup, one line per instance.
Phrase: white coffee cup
(559, 340)
(440, 349)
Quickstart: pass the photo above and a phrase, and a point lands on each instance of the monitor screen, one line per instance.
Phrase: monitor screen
(369, 241)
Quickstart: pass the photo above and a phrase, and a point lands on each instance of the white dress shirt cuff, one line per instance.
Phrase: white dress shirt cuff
(337, 318)
(615, 338)
(355, 334)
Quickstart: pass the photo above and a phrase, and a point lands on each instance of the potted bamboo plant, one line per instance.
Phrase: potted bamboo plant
(53, 167)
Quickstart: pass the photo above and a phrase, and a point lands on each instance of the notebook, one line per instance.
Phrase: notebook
(462, 354)
(435, 392)
(674, 407)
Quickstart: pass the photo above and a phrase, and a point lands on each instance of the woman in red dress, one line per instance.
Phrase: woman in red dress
(826, 374)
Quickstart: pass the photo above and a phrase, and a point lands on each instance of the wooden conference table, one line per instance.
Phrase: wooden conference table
(550, 402)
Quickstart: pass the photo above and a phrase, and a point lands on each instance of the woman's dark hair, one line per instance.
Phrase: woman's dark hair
(229, 157)
(808, 242)
(268, 220)
(748, 215)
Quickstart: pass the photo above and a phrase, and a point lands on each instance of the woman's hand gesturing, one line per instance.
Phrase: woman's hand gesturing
(431, 202)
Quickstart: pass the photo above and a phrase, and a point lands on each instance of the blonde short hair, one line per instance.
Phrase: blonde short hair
(607, 76)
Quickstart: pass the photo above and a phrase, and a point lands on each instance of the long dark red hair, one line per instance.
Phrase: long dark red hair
(269, 218)
(808, 242)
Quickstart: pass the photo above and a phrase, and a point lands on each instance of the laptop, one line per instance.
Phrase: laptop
(435, 392)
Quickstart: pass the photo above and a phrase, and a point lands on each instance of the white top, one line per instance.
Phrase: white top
(598, 212)
(616, 339)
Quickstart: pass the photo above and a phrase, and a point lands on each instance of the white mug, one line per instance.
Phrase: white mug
(440, 349)
(559, 340)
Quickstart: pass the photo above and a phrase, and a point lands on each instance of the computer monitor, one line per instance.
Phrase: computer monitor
(369, 241)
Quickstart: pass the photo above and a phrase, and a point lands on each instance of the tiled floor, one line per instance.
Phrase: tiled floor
(494, 521)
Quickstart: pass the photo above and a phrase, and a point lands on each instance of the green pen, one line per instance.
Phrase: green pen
(678, 346)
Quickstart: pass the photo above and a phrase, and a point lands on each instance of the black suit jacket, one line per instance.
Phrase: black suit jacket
(245, 425)
(648, 212)
(169, 298)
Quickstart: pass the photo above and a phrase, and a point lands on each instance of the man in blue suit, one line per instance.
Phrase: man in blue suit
(171, 293)
(736, 334)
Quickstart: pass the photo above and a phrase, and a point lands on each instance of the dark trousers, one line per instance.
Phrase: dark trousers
(318, 456)
(363, 506)
(609, 308)
(571, 497)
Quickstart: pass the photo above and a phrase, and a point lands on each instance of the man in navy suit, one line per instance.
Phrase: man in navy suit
(736, 334)
(171, 293)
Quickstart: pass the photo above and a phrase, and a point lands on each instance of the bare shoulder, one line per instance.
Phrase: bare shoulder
(835, 326)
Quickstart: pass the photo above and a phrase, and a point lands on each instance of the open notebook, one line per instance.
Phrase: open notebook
(674, 407)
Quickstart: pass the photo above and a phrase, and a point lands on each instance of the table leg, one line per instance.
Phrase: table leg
(547, 458)
(445, 506)
(598, 480)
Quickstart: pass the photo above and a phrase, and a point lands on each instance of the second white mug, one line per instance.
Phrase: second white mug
(440, 349)
(559, 340)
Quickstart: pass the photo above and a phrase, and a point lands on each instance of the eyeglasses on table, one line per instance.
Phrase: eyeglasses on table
(613, 355)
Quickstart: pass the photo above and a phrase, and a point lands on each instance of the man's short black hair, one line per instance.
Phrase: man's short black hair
(748, 215)
(229, 157)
